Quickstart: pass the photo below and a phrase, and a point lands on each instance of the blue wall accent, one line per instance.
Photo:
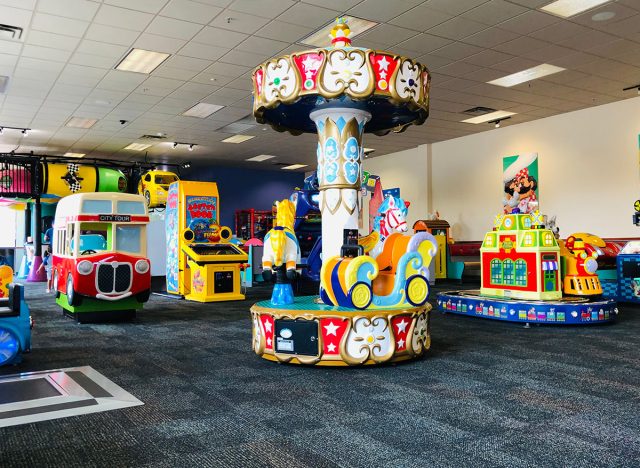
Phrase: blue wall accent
(245, 188)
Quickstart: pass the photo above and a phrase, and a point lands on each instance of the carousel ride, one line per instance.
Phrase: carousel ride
(371, 309)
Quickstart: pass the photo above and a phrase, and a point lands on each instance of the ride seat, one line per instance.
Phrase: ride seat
(395, 246)
(11, 307)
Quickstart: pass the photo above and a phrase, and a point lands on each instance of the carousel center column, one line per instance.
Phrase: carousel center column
(339, 155)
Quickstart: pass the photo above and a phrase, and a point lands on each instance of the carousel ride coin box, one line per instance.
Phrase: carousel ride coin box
(364, 315)
(529, 276)
(202, 265)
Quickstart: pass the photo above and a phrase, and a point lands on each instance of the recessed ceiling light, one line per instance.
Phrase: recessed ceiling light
(526, 75)
(320, 38)
(294, 166)
(567, 8)
(137, 146)
(603, 16)
(141, 61)
(81, 122)
(260, 158)
(237, 138)
(202, 110)
(488, 117)
(74, 155)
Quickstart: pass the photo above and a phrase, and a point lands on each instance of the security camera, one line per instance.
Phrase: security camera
(122, 122)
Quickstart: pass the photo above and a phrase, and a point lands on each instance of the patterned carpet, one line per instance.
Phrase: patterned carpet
(487, 394)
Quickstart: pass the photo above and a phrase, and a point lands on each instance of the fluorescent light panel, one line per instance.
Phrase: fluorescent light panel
(294, 166)
(74, 155)
(260, 158)
(567, 8)
(526, 75)
(137, 146)
(237, 138)
(321, 38)
(202, 110)
(488, 117)
(81, 122)
(141, 61)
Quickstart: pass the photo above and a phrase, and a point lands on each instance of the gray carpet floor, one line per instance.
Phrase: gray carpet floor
(487, 394)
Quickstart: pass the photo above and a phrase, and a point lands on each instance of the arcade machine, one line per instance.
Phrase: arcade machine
(438, 228)
(202, 265)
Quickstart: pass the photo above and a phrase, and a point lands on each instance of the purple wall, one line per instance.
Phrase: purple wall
(245, 188)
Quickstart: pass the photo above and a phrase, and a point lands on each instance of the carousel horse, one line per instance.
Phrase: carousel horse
(281, 253)
(391, 218)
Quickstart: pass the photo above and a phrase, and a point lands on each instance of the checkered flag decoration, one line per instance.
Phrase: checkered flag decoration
(72, 179)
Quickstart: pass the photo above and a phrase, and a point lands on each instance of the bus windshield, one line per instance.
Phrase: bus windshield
(129, 238)
(93, 238)
(107, 237)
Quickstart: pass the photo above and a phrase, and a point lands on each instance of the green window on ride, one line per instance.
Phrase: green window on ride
(521, 272)
(507, 272)
(550, 280)
(496, 271)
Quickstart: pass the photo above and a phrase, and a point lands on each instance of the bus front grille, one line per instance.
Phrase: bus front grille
(113, 277)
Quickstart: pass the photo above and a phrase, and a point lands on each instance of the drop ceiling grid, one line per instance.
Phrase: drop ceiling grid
(465, 43)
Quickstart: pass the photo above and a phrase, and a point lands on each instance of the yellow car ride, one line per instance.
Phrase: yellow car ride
(154, 185)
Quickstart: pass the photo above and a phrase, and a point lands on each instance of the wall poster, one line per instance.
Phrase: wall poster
(520, 182)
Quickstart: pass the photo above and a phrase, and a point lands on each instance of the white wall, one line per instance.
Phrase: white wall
(408, 170)
(588, 170)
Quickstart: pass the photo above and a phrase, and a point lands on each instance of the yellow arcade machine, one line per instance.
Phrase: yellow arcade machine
(438, 228)
(201, 264)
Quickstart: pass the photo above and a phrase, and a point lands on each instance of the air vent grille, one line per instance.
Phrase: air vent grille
(479, 110)
(153, 137)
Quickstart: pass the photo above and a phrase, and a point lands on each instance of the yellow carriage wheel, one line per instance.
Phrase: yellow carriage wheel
(417, 290)
(636, 205)
(361, 295)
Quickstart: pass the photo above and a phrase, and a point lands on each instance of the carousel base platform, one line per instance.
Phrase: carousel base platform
(568, 311)
(312, 333)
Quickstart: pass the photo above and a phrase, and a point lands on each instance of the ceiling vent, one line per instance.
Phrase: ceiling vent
(10, 32)
(4, 82)
(153, 137)
(477, 111)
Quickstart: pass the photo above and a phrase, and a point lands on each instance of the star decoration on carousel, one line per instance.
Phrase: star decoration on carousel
(331, 348)
(400, 343)
(331, 329)
(402, 326)
(267, 326)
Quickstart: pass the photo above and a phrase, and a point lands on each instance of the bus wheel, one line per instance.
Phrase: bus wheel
(72, 298)
(143, 296)
(54, 283)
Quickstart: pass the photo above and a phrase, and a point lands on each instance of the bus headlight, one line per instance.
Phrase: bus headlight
(85, 267)
(142, 266)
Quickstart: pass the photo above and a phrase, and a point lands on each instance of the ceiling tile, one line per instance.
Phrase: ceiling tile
(191, 11)
(91, 60)
(148, 6)
(282, 31)
(10, 47)
(56, 41)
(559, 31)
(77, 9)
(307, 15)
(175, 73)
(246, 59)
(122, 18)
(45, 53)
(494, 12)
(157, 43)
(262, 46)
(102, 49)
(343, 5)
(457, 28)
(420, 18)
(110, 34)
(588, 40)
(58, 25)
(15, 16)
(220, 37)
(266, 8)
(171, 27)
(521, 45)
(529, 22)
(382, 10)
(548, 53)
(457, 50)
(237, 21)
(386, 34)
(490, 37)
(203, 51)
(424, 43)
(187, 63)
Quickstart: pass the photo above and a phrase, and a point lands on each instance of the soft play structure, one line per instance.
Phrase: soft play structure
(202, 265)
(100, 269)
(15, 326)
(341, 92)
(530, 276)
